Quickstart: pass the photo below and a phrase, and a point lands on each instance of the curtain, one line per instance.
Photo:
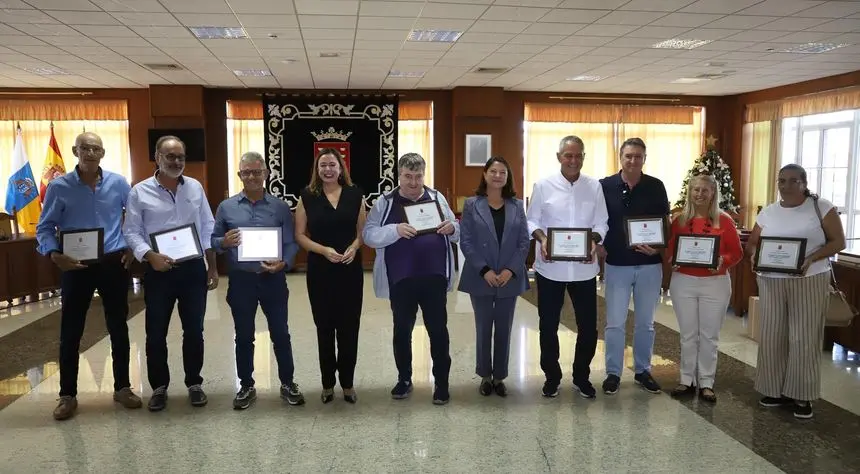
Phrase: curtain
(825, 102)
(245, 133)
(672, 150)
(760, 164)
(37, 133)
(673, 136)
(63, 110)
(541, 146)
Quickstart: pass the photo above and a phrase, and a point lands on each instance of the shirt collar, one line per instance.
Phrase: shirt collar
(244, 197)
(77, 174)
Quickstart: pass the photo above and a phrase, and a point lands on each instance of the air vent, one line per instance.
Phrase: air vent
(708, 77)
(491, 70)
(164, 67)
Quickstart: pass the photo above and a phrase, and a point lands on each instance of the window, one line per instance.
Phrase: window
(826, 145)
(673, 135)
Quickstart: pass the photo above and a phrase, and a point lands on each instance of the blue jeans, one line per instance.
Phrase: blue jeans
(645, 282)
(245, 291)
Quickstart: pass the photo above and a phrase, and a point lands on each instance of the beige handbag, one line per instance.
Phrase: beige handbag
(839, 312)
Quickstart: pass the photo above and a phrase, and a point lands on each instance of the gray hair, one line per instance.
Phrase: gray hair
(168, 138)
(568, 140)
(412, 162)
(251, 157)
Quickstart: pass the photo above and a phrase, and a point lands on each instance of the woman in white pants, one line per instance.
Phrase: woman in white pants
(700, 295)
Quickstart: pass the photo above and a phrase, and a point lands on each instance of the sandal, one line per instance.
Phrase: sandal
(683, 390)
(708, 395)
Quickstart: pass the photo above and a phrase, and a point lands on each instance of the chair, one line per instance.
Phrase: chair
(8, 225)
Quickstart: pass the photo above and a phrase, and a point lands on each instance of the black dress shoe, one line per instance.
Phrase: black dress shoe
(197, 396)
(500, 388)
(351, 397)
(158, 400)
(486, 387)
(327, 395)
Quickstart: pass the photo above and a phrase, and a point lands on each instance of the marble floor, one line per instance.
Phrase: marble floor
(633, 431)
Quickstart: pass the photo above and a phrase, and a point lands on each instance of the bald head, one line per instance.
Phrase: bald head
(88, 137)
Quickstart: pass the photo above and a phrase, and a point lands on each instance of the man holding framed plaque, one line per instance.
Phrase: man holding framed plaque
(168, 225)
(638, 208)
(704, 245)
(255, 230)
(413, 270)
(567, 218)
(84, 208)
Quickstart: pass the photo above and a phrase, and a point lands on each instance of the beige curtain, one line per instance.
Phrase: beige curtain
(760, 164)
(672, 149)
(673, 136)
(63, 110)
(541, 146)
(37, 133)
(245, 132)
(825, 102)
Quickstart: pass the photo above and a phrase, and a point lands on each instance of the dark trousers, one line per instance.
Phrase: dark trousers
(270, 291)
(583, 295)
(493, 348)
(431, 294)
(186, 285)
(111, 279)
(336, 299)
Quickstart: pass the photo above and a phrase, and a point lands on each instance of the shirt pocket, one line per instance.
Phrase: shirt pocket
(555, 211)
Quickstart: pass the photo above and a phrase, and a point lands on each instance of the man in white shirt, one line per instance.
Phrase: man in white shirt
(163, 202)
(567, 199)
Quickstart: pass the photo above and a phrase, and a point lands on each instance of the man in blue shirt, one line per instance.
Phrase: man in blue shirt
(162, 202)
(89, 198)
(253, 283)
(638, 270)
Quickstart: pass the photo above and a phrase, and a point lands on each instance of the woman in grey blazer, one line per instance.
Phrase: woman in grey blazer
(494, 239)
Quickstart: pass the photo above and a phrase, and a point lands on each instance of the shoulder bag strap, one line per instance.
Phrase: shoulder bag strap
(821, 223)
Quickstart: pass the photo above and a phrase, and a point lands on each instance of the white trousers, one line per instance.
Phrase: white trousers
(700, 305)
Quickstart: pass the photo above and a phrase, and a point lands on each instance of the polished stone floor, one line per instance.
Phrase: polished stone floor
(633, 431)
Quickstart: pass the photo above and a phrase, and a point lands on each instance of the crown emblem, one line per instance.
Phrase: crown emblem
(330, 134)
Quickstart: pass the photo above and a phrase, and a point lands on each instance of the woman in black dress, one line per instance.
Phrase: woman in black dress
(329, 220)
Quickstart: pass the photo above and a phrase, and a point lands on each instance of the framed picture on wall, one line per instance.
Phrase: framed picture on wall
(478, 149)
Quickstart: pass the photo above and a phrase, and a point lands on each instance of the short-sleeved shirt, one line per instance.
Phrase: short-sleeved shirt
(797, 222)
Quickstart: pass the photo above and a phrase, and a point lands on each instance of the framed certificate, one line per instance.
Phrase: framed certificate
(780, 255)
(424, 216)
(180, 243)
(571, 244)
(701, 251)
(646, 230)
(260, 244)
(84, 245)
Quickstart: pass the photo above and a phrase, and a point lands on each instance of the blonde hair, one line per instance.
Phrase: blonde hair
(689, 211)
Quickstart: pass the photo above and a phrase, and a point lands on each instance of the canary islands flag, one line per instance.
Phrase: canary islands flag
(22, 195)
(54, 167)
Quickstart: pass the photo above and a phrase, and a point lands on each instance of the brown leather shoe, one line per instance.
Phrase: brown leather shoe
(66, 409)
(127, 398)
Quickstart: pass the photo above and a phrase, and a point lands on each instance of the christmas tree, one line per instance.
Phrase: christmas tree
(711, 163)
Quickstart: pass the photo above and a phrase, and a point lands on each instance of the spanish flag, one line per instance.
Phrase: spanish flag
(22, 195)
(54, 167)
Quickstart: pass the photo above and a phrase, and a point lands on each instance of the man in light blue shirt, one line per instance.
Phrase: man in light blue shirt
(89, 198)
(162, 202)
(253, 283)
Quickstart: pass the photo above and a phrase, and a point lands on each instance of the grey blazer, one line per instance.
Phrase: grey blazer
(480, 246)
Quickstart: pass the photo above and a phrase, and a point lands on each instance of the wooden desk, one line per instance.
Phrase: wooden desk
(23, 271)
(848, 277)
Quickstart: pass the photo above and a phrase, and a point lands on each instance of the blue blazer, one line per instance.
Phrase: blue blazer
(480, 246)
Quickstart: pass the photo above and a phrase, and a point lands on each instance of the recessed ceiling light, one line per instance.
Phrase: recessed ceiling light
(288, 61)
(252, 72)
(46, 71)
(406, 74)
(584, 78)
(678, 43)
(329, 55)
(218, 32)
(813, 48)
(689, 80)
(434, 36)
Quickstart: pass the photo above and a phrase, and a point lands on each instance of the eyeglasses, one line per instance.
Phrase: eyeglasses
(254, 173)
(172, 157)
